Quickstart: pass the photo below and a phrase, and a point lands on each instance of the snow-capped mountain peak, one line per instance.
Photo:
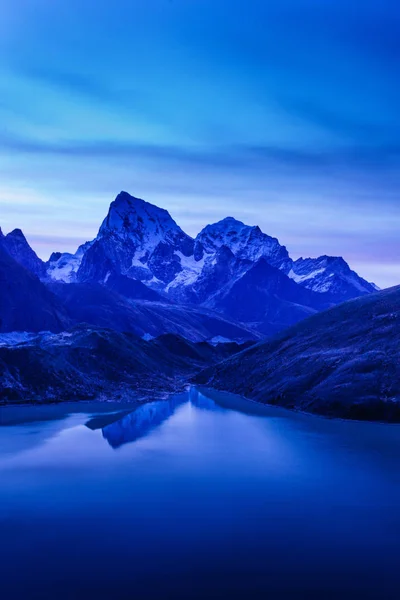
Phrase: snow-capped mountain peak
(245, 241)
(137, 239)
(134, 217)
(330, 274)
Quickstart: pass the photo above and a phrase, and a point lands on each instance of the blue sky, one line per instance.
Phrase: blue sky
(283, 113)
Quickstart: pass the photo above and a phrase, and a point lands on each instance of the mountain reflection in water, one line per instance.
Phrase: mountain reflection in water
(147, 417)
(141, 421)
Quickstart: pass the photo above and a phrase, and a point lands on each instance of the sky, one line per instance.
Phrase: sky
(281, 113)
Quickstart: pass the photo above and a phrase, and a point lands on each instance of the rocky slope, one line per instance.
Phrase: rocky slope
(265, 298)
(18, 248)
(87, 363)
(25, 302)
(98, 306)
(342, 362)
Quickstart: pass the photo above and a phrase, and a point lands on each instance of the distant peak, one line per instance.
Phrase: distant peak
(16, 233)
(230, 223)
(55, 256)
(324, 259)
(1, 233)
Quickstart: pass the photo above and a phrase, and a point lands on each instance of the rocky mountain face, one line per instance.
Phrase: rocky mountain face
(342, 362)
(18, 248)
(25, 302)
(265, 297)
(223, 252)
(245, 242)
(136, 239)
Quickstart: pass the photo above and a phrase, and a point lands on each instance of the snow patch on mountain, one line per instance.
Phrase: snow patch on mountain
(24, 338)
(191, 271)
(16, 338)
(301, 278)
(219, 339)
(63, 267)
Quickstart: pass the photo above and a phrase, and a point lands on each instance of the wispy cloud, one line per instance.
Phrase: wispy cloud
(232, 156)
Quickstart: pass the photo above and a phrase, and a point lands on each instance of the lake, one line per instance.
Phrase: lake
(204, 495)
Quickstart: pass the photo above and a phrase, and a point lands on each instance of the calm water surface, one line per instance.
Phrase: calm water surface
(201, 496)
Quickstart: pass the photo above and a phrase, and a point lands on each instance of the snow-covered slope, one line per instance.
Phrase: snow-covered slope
(63, 266)
(330, 275)
(214, 270)
(246, 246)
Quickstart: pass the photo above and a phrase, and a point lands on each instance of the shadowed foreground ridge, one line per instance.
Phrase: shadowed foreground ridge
(90, 363)
(343, 362)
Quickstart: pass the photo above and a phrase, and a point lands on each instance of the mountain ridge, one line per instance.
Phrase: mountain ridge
(183, 257)
(142, 253)
(342, 362)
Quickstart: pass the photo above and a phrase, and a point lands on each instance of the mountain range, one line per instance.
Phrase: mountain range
(142, 271)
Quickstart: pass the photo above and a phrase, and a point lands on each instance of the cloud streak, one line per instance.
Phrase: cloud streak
(231, 156)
